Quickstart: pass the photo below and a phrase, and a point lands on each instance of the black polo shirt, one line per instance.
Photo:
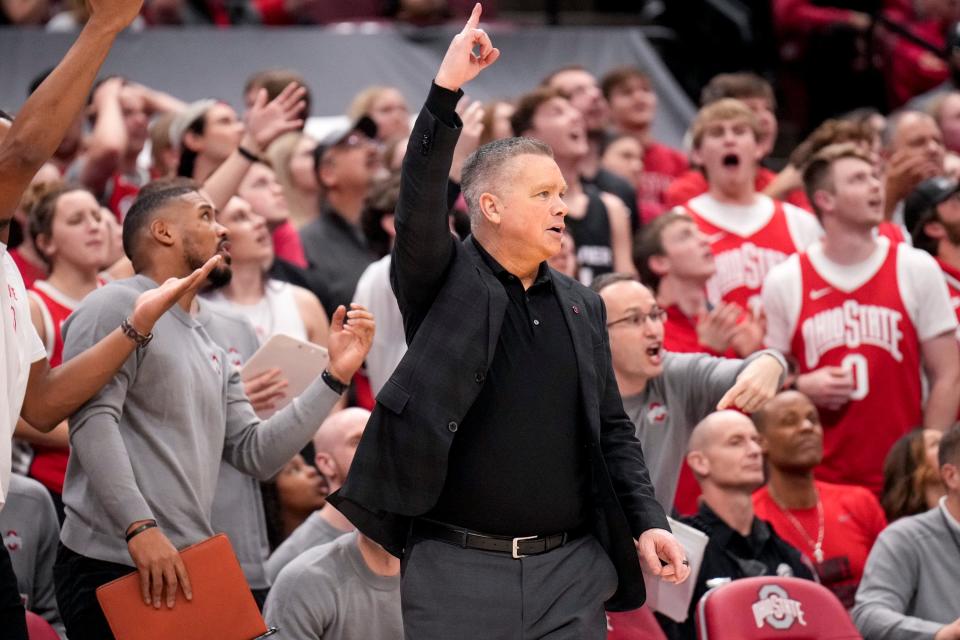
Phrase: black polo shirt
(729, 554)
(518, 463)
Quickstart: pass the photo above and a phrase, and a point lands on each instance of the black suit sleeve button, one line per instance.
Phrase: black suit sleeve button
(452, 427)
(479, 377)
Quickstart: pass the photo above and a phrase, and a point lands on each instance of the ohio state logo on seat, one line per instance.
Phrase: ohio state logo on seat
(777, 609)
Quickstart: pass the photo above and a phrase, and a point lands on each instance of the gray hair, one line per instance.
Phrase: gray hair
(484, 166)
(894, 122)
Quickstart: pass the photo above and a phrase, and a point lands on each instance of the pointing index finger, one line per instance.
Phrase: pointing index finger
(474, 19)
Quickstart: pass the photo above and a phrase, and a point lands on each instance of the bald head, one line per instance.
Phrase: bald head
(724, 454)
(711, 429)
(336, 428)
(336, 443)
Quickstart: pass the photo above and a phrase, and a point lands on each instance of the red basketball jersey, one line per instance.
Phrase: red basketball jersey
(743, 261)
(49, 464)
(870, 332)
(121, 192)
(54, 307)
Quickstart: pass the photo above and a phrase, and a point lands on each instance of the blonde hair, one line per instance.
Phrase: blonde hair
(362, 103)
(303, 207)
(724, 109)
(818, 174)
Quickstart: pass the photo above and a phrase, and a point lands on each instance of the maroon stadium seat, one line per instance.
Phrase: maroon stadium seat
(39, 629)
(772, 608)
(638, 624)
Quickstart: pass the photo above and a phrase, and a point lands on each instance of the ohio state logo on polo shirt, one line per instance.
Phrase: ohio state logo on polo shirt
(656, 413)
(777, 609)
(235, 358)
(12, 540)
(215, 363)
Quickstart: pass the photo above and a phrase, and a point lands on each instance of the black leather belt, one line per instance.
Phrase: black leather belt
(516, 547)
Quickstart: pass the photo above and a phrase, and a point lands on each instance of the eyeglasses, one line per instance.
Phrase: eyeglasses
(637, 319)
(353, 140)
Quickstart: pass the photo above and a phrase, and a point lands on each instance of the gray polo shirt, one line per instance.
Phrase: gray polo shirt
(149, 444)
(329, 592)
(313, 532)
(672, 404)
(29, 529)
(237, 503)
(911, 582)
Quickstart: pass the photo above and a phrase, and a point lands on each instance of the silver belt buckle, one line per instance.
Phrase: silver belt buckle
(515, 548)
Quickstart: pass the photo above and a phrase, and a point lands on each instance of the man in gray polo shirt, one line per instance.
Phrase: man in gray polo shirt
(348, 589)
(667, 394)
(335, 444)
(909, 589)
(146, 449)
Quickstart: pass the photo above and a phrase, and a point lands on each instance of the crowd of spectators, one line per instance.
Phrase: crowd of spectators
(834, 281)
(72, 14)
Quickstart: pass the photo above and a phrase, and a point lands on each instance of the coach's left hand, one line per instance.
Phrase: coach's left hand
(655, 545)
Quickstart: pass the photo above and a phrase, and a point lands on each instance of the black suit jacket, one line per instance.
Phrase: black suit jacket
(453, 307)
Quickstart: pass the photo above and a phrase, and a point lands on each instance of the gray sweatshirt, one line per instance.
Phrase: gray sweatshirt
(672, 404)
(329, 592)
(237, 503)
(149, 444)
(313, 532)
(911, 582)
(29, 528)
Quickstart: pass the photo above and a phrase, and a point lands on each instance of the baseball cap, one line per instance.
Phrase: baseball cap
(183, 120)
(919, 206)
(340, 135)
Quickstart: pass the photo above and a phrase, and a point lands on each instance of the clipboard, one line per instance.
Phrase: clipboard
(300, 363)
(673, 600)
(222, 607)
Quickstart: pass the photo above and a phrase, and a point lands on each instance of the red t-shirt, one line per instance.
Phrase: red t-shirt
(28, 271)
(680, 334)
(852, 520)
(287, 245)
(661, 165)
(693, 183)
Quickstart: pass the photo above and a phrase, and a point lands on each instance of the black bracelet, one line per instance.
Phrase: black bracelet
(333, 383)
(129, 331)
(146, 525)
(249, 155)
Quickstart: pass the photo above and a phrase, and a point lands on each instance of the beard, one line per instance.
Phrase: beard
(219, 277)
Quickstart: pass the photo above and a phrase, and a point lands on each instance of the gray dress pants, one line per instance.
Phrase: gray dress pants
(449, 593)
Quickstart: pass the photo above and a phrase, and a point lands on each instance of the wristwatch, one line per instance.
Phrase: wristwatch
(333, 383)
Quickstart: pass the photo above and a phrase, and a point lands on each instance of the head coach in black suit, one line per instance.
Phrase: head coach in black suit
(498, 462)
